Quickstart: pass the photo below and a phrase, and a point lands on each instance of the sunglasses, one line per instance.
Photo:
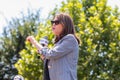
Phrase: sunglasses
(56, 22)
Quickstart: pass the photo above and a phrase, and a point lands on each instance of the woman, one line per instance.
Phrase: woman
(63, 57)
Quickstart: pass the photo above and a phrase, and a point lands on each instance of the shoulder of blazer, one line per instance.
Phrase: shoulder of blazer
(68, 36)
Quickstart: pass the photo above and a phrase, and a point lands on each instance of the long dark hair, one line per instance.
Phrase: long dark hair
(68, 26)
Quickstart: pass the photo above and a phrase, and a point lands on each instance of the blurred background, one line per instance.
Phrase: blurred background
(97, 25)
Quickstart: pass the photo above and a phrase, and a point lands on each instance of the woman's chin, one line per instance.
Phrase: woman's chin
(54, 33)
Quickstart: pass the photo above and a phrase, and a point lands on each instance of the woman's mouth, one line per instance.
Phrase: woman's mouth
(53, 28)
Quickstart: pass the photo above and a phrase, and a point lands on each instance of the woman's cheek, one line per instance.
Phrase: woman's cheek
(54, 31)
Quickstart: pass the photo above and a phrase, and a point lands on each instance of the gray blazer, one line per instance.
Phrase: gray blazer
(63, 58)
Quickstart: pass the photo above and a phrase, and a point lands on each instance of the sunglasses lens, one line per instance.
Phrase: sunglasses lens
(56, 22)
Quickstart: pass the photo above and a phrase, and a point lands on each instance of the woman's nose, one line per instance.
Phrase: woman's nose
(53, 24)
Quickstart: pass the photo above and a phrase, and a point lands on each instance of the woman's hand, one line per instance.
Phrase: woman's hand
(31, 39)
(42, 57)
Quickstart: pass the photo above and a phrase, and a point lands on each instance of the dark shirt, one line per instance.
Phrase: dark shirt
(46, 71)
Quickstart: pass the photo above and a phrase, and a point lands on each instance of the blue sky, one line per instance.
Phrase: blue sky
(12, 8)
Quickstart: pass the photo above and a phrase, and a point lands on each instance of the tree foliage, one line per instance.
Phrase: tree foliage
(12, 42)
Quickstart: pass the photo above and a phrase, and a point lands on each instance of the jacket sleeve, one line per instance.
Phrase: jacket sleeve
(60, 50)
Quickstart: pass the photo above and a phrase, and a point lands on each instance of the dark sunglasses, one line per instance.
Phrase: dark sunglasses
(56, 22)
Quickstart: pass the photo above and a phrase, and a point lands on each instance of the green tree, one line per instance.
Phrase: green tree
(12, 41)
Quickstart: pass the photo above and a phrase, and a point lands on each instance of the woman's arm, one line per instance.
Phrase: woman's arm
(65, 47)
